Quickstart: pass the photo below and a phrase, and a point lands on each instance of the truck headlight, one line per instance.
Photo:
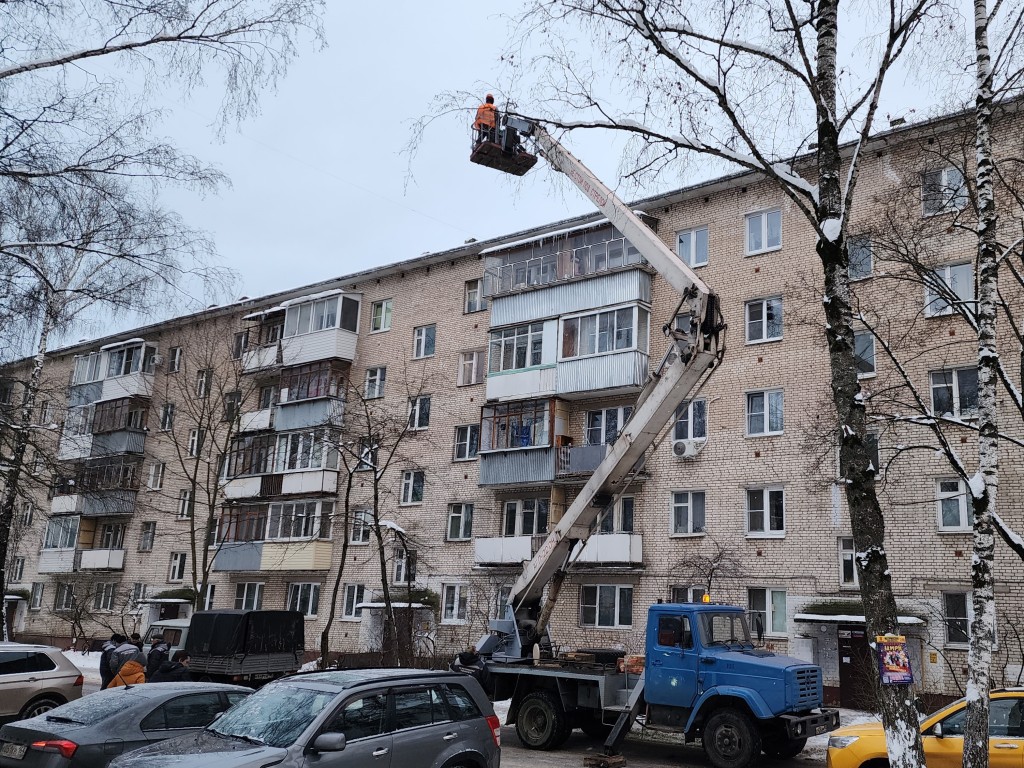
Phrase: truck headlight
(840, 742)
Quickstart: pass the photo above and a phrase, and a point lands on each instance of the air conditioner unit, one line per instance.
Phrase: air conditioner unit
(158, 359)
(687, 449)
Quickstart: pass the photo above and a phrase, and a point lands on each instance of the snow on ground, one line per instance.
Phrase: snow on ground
(88, 664)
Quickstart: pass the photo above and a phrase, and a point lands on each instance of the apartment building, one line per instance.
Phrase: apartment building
(494, 376)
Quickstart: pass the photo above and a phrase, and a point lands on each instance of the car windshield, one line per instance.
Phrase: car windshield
(274, 715)
(91, 709)
(725, 629)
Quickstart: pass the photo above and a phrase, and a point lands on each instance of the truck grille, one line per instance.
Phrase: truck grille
(808, 683)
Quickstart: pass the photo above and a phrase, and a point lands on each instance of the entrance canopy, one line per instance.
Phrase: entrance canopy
(824, 618)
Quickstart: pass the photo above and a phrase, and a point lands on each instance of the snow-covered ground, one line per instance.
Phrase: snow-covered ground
(87, 663)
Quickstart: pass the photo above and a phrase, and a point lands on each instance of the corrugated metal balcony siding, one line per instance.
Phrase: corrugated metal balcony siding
(518, 467)
(615, 371)
(566, 298)
(122, 441)
(239, 556)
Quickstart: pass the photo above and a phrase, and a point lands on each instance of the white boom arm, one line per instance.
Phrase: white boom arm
(695, 351)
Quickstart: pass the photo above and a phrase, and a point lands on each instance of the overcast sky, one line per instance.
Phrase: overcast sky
(319, 178)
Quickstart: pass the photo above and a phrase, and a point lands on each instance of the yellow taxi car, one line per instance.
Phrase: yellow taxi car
(863, 746)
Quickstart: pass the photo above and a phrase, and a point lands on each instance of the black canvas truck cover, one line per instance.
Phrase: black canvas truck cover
(228, 633)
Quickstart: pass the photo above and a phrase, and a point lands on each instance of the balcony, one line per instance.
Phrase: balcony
(238, 556)
(129, 385)
(314, 481)
(84, 394)
(296, 556)
(610, 549)
(612, 373)
(261, 358)
(520, 466)
(254, 421)
(530, 382)
(68, 504)
(111, 503)
(243, 487)
(100, 559)
(121, 441)
(319, 345)
(301, 414)
(73, 447)
(579, 460)
(505, 550)
(56, 561)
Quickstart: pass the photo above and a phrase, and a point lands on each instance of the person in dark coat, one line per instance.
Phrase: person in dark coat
(157, 655)
(106, 673)
(174, 671)
(136, 640)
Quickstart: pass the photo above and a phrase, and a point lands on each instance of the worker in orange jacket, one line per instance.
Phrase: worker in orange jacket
(486, 120)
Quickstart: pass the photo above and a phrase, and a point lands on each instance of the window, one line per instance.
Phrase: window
(687, 512)
(692, 246)
(467, 442)
(311, 449)
(858, 248)
(61, 533)
(764, 231)
(688, 594)
(111, 536)
(232, 405)
(27, 513)
(267, 396)
(299, 520)
(368, 450)
(955, 393)
(767, 611)
(375, 378)
(239, 344)
(522, 424)
(618, 518)
(691, 420)
(951, 499)
(380, 315)
(475, 301)
(174, 359)
(471, 368)
(952, 281)
(460, 522)
(186, 504)
(156, 476)
(147, 536)
(87, 368)
(18, 571)
(354, 594)
(848, 563)
(167, 417)
(864, 353)
(759, 422)
(956, 615)
(249, 596)
(244, 522)
(177, 569)
(405, 565)
(204, 381)
(412, 486)
(423, 339)
(64, 600)
(122, 413)
(606, 605)
(501, 598)
(610, 331)
(512, 349)
(943, 190)
(36, 597)
(419, 412)
(603, 426)
(303, 597)
(46, 413)
(525, 517)
(306, 382)
(104, 596)
(211, 592)
(139, 591)
(764, 320)
(78, 421)
(362, 524)
(126, 360)
(361, 717)
(320, 315)
(766, 512)
(454, 603)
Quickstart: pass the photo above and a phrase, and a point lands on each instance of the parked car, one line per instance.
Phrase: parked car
(91, 732)
(942, 735)
(35, 679)
(357, 718)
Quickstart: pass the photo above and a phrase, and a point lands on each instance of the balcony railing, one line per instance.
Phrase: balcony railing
(100, 559)
(506, 550)
(581, 459)
(610, 548)
(261, 358)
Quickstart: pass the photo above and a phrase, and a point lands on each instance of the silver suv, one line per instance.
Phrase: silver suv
(353, 719)
(34, 679)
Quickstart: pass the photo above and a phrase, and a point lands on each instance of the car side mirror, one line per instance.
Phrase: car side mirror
(937, 730)
(329, 742)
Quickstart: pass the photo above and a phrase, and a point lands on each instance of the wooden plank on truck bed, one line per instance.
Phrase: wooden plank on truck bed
(604, 761)
(580, 656)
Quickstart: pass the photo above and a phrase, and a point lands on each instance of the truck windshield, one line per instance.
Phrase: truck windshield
(728, 629)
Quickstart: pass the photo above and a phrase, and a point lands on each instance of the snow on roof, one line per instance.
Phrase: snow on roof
(310, 297)
(840, 618)
(393, 605)
(13, 597)
(121, 344)
(163, 600)
(549, 235)
(262, 312)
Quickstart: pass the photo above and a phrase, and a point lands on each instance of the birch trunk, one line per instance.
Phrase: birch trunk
(325, 636)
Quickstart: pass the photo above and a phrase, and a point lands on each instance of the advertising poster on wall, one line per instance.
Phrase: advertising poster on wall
(893, 661)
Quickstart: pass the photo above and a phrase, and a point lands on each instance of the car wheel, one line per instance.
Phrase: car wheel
(730, 739)
(783, 748)
(541, 722)
(38, 707)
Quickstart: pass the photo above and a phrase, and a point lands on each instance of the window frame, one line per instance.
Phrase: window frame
(848, 554)
(961, 496)
(687, 407)
(936, 305)
(249, 595)
(357, 593)
(409, 484)
(459, 613)
(157, 471)
(617, 622)
(419, 413)
(167, 417)
(953, 199)
(766, 531)
(504, 424)
(691, 251)
(466, 442)
(763, 214)
(377, 377)
(622, 415)
(770, 611)
(301, 602)
(765, 305)
(64, 536)
(381, 321)
(475, 361)
(174, 358)
(621, 518)
(965, 619)
(401, 576)
(675, 504)
(859, 360)
(421, 335)
(957, 412)
(639, 330)
(178, 563)
(147, 536)
(239, 344)
(186, 504)
(865, 244)
(690, 592)
(525, 337)
(104, 596)
(539, 516)
(204, 383)
(361, 528)
(767, 395)
(479, 303)
(18, 570)
(462, 511)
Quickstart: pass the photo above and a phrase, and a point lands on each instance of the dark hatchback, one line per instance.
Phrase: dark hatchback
(92, 731)
(382, 718)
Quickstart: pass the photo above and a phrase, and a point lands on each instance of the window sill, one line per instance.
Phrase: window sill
(853, 279)
(515, 448)
(463, 461)
(380, 330)
(698, 535)
(764, 434)
(454, 622)
(352, 619)
(954, 531)
(410, 503)
(424, 357)
(755, 342)
(762, 535)
(864, 376)
(359, 543)
(849, 587)
(597, 355)
(471, 383)
(773, 249)
(459, 541)
(527, 369)
(618, 627)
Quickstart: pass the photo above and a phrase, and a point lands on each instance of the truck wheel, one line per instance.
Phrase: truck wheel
(541, 722)
(730, 739)
(784, 748)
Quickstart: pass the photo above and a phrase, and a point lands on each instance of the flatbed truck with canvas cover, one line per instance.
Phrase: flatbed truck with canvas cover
(702, 676)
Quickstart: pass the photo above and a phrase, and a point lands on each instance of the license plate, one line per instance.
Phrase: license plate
(14, 751)
(819, 729)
